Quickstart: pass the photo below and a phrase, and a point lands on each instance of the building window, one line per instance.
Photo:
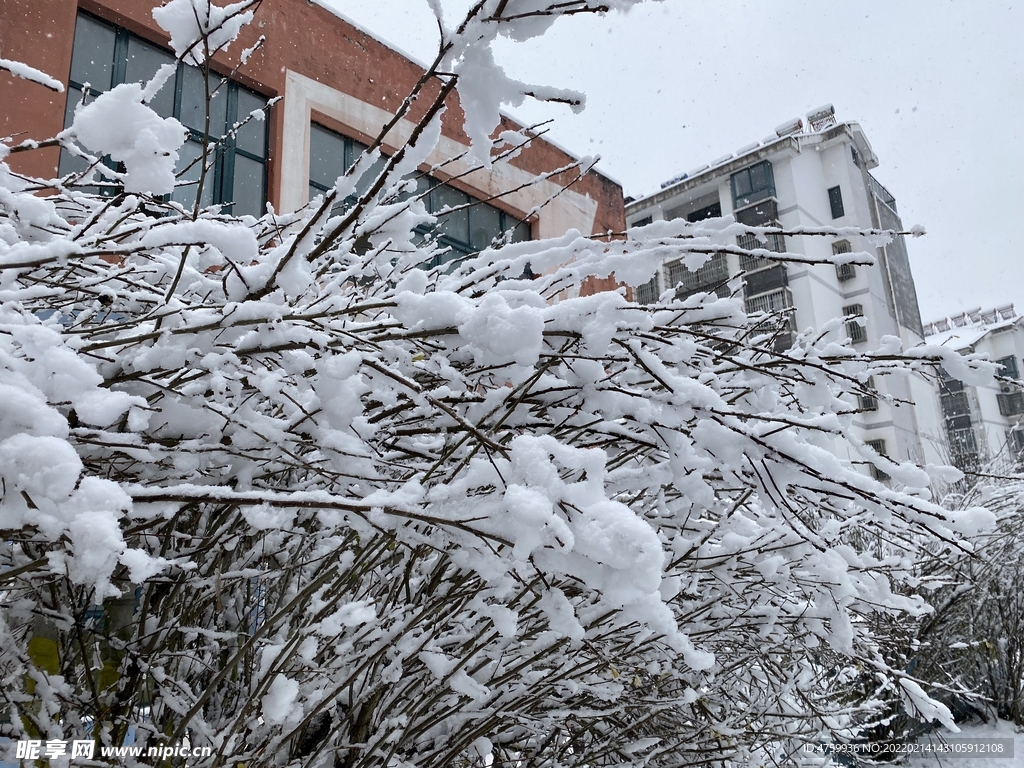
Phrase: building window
(956, 411)
(763, 214)
(835, 201)
(712, 211)
(777, 301)
(104, 56)
(963, 448)
(869, 400)
(956, 407)
(752, 185)
(710, 276)
(773, 242)
(844, 272)
(330, 156)
(642, 222)
(648, 293)
(1015, 441)
(1010, 369)
(465, 225)
(1011, 403)
(780, 325)
(878, 446)
(855, 326)
(765, 280)
(471, 225)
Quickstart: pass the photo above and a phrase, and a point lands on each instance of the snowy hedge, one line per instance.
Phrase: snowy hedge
(274, 486)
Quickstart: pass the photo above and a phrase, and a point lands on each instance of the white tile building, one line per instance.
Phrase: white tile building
(984, 425)
(818, 176)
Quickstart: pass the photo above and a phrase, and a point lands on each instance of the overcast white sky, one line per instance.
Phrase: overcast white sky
(938, 86)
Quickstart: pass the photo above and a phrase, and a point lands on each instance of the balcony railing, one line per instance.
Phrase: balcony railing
(648, 292)
(881, 192)
(1011, 404)
(712, 274)
(764, 280)
(963, 443)
(776, 301)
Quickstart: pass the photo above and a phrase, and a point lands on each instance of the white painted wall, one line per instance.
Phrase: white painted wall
(802, 179)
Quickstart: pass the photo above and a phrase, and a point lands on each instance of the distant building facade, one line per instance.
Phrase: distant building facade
(984, 426)
(818, 176)
(338, 85)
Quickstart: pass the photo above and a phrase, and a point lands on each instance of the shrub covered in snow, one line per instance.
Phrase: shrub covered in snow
(274, 485)
(972, 644)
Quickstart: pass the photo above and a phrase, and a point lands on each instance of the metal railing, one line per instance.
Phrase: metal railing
(776, 301)
(881, 192)
(714, 272)
(963, 442)
(648, 292)
(1011, 404)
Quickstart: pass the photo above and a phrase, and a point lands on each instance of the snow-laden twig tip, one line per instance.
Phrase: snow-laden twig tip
(25, 72)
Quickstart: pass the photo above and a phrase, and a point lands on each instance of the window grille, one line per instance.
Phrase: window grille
(844, 272)
(773, 242)
(878, 446)
(711, 274)
(869, 401)
(648, 293)
(963, 446)
(855, 328)
(763, 214)
(765, 280)
(776, 301)
(1011, 403)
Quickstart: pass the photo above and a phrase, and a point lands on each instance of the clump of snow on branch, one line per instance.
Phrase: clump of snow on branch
(120, 124)
(198, 28)
(25, 72)
(483, 85)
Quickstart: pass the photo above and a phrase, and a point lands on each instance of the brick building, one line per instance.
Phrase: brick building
(339, 87)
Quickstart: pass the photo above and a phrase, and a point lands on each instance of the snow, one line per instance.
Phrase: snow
(477, 505)
(279, 701)
(25, 72)
(189, 22)
(965, 337)
(120, 124)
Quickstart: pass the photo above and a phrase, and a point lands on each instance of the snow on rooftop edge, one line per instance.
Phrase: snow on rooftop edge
(962, 330)
(742, 152)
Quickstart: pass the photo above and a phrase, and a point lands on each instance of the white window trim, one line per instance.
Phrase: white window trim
(569, 210)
